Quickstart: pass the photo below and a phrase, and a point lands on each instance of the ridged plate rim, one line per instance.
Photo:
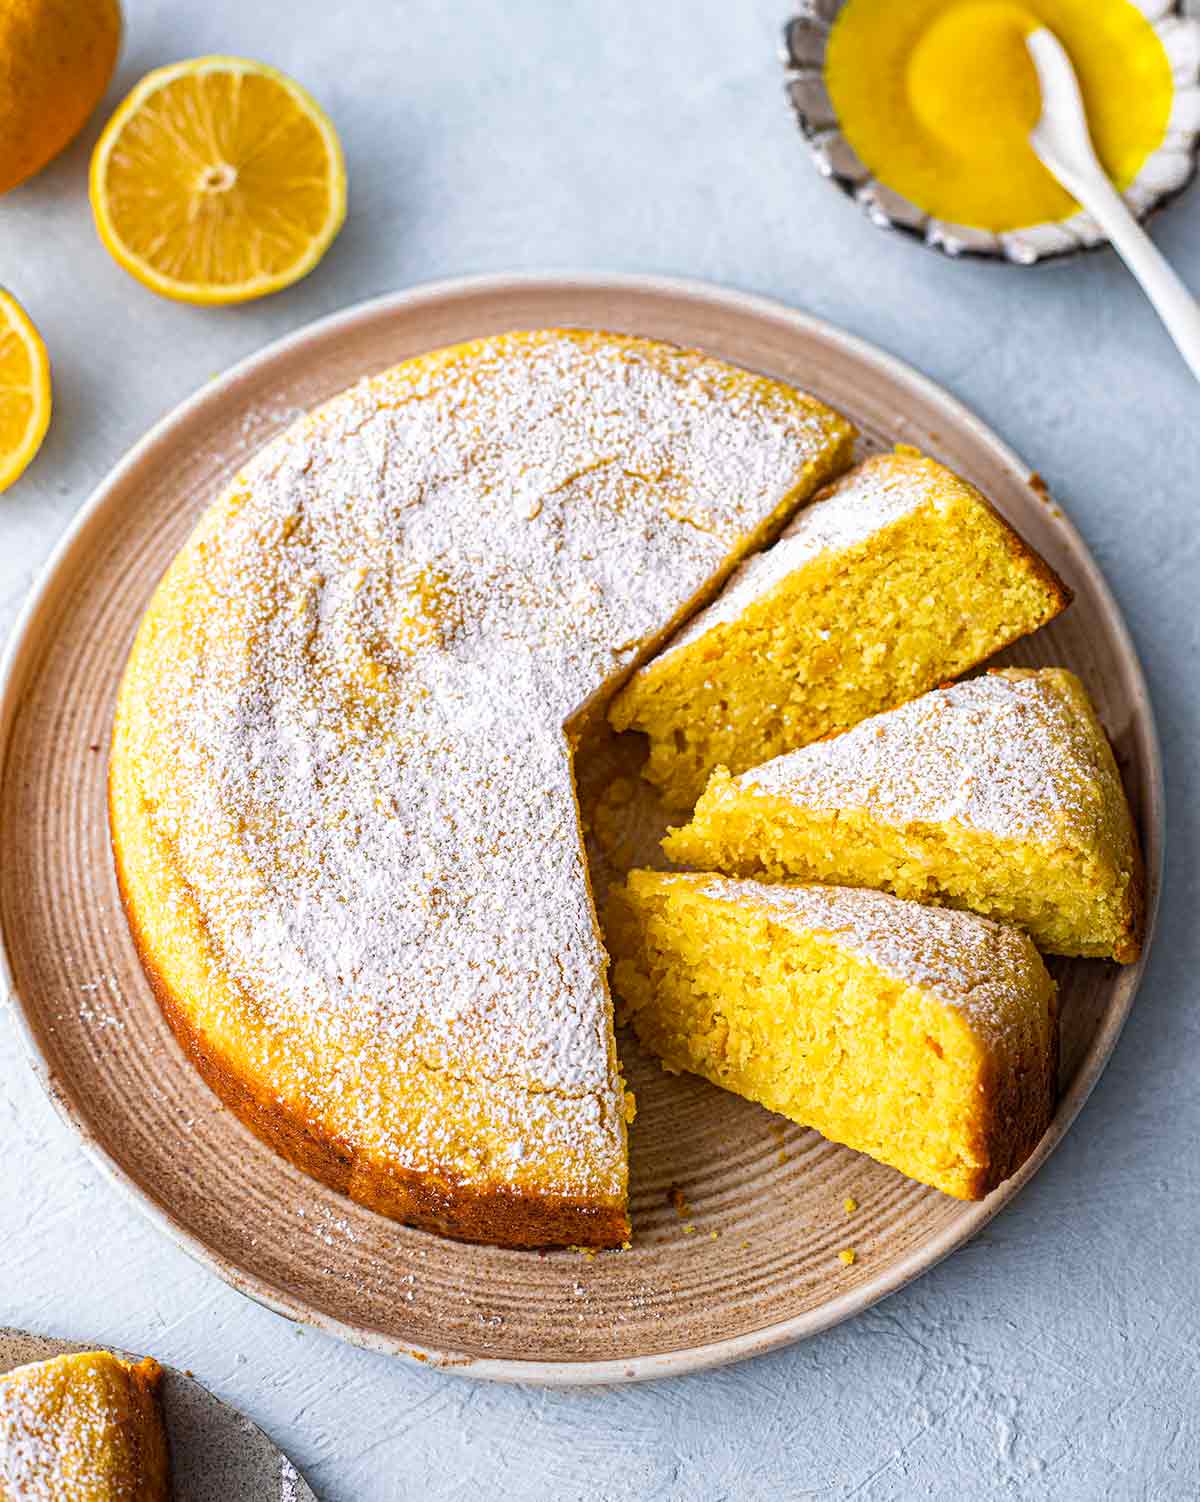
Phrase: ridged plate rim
(696, 295)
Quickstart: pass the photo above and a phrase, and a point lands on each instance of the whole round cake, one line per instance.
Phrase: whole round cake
(341, 790)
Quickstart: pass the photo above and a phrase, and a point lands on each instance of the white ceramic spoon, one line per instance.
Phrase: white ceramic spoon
(1062, 142)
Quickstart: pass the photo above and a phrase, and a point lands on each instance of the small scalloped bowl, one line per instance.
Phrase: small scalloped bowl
(1165, 173)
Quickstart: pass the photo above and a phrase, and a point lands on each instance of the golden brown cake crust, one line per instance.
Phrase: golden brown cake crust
(1129, 950)
(145, 1377)
(464, 1212)
(1019, 1103)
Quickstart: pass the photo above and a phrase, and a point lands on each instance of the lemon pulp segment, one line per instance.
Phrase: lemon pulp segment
(24, 390)
(218, 180)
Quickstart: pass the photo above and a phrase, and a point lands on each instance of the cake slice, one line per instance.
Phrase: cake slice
(83, 1428)
(900, 578)
(925, 1037)
(1000, 795)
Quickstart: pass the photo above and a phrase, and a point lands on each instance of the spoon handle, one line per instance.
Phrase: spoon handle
(1063, 143)
(1172, 301)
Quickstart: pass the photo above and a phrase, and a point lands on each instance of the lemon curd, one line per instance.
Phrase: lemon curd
(938, 97)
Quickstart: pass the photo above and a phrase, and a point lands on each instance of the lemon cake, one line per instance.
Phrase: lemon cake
(341, 791)
(83, 1428)
(925, 1037)
(899, 579)
(999, 794)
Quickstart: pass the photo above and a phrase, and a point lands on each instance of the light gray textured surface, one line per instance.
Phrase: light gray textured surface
(1059, 1355)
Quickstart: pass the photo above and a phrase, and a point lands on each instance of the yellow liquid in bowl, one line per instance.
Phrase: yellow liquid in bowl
(938, 97)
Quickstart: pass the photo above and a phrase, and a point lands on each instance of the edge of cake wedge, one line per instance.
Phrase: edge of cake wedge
(925, 1037)
(898, 577)
(999, 794)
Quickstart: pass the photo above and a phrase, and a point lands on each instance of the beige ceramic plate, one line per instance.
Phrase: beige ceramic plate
(217, 1454)
(753, 1263)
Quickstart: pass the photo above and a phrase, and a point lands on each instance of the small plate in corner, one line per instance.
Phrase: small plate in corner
(217, 1454)
(1165, 173)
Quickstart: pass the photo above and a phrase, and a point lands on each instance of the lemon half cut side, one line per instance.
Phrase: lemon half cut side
(218, 180)
(24, 390)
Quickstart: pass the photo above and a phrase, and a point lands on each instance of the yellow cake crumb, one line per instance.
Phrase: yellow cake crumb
(899, 577)
(922, 1036)
(1000, 795)
(849, 1205)
(848, 1255)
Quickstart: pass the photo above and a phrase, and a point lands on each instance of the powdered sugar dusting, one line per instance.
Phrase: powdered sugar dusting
(346, 712)
(66, 1430)
(289, 1482)
(982, 968)
(1016, 753)
(871, 497)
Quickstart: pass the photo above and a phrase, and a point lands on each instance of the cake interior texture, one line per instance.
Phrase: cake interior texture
(923, 1037)
(999, 795)
(83, 1428)
(899, 578)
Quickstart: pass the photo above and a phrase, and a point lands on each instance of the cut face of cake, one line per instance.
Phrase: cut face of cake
(1000, 795)
(83, 1428)
(925, 1037)
(341, 790)
(899, 578)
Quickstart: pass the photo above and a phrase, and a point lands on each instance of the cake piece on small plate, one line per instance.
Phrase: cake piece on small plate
(999, 794)
(83, 1428)
(925, 1037)
(901, 577)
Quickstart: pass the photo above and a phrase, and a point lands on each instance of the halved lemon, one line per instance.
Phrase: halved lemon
(24, 390)
(218, 180)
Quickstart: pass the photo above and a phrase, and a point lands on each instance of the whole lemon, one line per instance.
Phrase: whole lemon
(56, 57)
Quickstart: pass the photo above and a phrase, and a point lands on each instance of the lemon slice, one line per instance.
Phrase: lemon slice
(218, 180)
(24, 390)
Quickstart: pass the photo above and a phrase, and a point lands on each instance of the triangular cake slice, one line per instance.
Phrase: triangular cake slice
(1000, 795)
(901, 577)
(341, 788)
(85, 1427)
(925, 1037)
